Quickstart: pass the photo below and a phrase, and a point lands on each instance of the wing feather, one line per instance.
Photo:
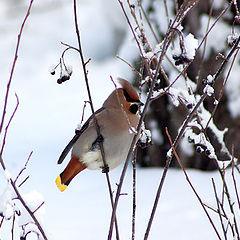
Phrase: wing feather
(78, 133)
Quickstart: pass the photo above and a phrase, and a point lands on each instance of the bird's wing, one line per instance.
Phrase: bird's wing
(75, 138)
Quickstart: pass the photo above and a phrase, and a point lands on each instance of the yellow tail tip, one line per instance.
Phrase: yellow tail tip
(59, 184)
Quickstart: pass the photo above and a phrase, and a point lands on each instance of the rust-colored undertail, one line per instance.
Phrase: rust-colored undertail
(73, 168)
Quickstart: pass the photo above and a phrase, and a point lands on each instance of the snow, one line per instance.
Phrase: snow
(186, 52)
(145, 136)
(191, 44)
(48, 113)
(6, 203)
(208, 90)
(232, 38)
(179, 214)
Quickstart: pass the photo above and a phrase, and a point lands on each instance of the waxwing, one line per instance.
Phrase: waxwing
(117, 120)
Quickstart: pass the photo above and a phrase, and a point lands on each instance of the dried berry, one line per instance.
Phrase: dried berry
(189, 105)
(180, 59)
(199, 149)
(190, 140)
(207, 152)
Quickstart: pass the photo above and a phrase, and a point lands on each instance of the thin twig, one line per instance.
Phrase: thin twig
(3, 120)
(133, 69)
(205, 42)
(218, 210)
(166, 43)
(38, 207)
(1, 221)
(133, 32)
(191, 185)
(222, 90)
(93, 112)
(229, 201)
(148, 22)
(12, 229)
(13, 65)
(166, 10)
(214, 210)
(178, 138)
(135, 138)
(36, 222)
(234, 180)
(23, 181)
(24, 168)
(134, 194)
(9, 122)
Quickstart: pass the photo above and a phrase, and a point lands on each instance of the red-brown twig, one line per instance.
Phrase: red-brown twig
(24, 168)
(166, 43)
(133, 32)
(93, 112)
(19, 197)
(134, 203)
(179, 136)
(9, 122)
(13, 65)
(222, 90)
(135, 138)
(3, 121)
(191, 185)
(219, 206)
(233, 177)
(38, 207)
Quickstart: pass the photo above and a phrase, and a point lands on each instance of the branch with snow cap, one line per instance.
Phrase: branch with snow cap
(13, 203)
(185, 51)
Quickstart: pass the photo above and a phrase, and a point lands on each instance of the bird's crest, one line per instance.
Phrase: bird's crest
(130, 92)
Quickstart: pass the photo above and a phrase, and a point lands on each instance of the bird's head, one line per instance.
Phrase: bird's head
(125, 97)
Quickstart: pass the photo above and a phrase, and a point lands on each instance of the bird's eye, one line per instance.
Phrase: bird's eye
(133, 108)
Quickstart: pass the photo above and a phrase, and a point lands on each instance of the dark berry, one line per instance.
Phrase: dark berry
(199, 149)
(207, 152)
(190, 140)
(189, 105)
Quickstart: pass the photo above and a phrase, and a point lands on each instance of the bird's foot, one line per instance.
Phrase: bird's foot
(105, 169)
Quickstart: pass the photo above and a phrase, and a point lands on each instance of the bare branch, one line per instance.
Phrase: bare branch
(191, 185)
(219, 211)
(93, 112)
(13, 65)
(9, 122)
(24, 168)
(234, 180)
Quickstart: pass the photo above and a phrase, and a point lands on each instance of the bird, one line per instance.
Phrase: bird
(118, 119)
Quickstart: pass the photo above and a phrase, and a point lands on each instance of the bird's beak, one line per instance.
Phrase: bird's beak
(140, 104)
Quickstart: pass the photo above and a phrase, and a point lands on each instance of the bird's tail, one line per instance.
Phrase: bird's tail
(72, 169)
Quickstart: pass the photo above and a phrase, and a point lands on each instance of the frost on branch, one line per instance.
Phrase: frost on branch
(65, 71)
(208, 90)
(232, 38)
(7, 205)
(10, 206)
(185, 51)
(207, 139)
(203, 134)
(35, 201)
(145, 137)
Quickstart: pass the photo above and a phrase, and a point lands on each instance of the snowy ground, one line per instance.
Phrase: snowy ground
(83, 210)
(48, 114)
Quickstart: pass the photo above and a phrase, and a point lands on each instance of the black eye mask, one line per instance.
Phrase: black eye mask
(133, 108)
